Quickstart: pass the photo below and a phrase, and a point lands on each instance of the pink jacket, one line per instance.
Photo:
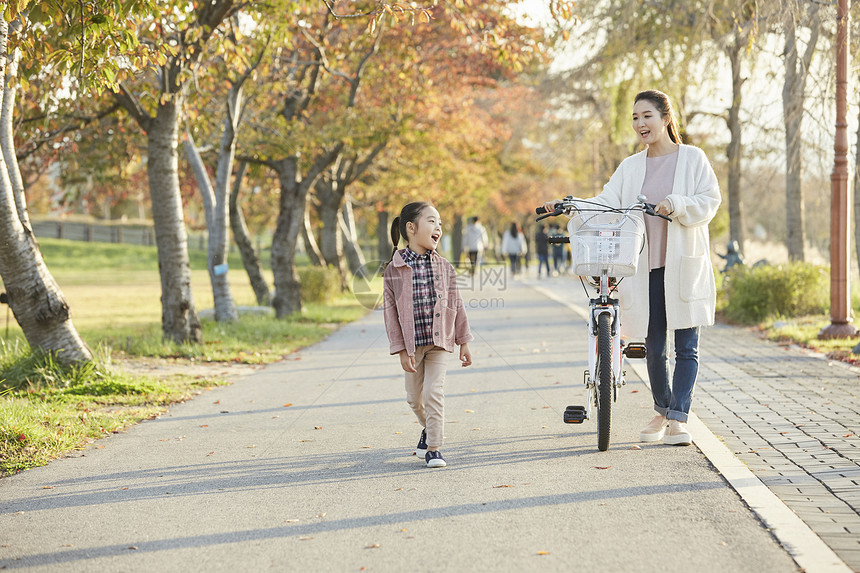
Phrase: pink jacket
(450, 325)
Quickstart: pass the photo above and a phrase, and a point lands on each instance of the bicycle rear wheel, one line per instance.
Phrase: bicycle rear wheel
(604, 380)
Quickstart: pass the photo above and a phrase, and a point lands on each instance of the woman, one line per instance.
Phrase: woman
(677, 293)
(514, 246)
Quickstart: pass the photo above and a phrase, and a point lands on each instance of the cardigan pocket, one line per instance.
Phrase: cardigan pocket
(694, 278)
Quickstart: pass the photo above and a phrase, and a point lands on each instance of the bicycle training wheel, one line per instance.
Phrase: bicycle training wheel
(604, 380)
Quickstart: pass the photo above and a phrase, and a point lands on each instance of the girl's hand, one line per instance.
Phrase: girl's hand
(465, 355)
(407, 362)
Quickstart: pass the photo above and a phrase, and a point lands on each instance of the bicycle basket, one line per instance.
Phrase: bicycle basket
(609, 242)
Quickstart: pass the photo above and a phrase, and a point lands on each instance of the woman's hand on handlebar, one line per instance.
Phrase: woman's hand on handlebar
(549, 206)
(664, 207)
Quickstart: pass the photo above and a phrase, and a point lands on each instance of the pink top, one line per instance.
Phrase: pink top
(659, 179)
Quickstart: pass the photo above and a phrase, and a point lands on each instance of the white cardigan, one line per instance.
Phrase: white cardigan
(689, 279)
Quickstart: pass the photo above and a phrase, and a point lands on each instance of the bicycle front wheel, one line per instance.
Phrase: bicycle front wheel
(604, 380)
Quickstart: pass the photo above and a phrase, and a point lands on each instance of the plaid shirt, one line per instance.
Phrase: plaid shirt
(423, 294)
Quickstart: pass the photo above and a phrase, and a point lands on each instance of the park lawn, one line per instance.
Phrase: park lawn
(114, 295)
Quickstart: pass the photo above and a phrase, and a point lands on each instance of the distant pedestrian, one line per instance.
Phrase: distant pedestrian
(476, 242)
(542, 250)
(558, 254)
(673, 289)
(425, 318)
(514, 247)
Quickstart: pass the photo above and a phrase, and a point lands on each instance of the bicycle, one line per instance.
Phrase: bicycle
(605, 246)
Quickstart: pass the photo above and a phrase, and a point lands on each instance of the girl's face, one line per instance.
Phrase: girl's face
(424, 233)
(649, 124)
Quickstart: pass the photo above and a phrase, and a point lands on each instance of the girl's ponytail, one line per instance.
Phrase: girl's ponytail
(395, 235)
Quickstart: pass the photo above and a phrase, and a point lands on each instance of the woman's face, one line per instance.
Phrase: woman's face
(648, 123)
(425, 232)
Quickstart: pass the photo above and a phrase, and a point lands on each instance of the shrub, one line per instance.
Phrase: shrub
(753, 294)
(319, 284)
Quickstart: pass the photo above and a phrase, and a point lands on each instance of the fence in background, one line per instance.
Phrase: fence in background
(104, 233)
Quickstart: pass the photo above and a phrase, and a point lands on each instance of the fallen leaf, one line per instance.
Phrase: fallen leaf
(210, 453)
(249, 447)
(321, 515)
(317, 427)
(634, 391)
(204, 425)
(125, 488)
(374, 546)
(292, 521)
(305, 538)
(398, 433)
(133, 547)
(217, 402)
(470, 411)
(503, 485)
(602, 467)
(543, 552)
(288, 404)
(635, 448)
(366, 447)
(47, 487)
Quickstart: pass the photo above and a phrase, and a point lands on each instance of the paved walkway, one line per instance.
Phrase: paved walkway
(307, 466)
(791, 416)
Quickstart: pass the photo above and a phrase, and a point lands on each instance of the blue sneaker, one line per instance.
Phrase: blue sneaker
(435, 459)
(421, 448)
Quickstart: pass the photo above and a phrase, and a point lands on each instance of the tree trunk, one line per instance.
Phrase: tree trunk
(793, 95)
(354, 254)
(287, 299)
(33, 295)
(733, 150)
(178, 316)
(250, 260)
(330, 197)
(216, 226)
(384, 233)
(7, 141)
(315, 256)
(457, 239)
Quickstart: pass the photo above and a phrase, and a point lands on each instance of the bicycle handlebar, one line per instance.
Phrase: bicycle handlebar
(647, 208)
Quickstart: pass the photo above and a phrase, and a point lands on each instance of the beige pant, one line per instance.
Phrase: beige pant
(425, 391)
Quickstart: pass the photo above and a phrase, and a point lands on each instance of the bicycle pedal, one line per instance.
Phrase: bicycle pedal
(574, 416)
(635, 350)
(575, 408)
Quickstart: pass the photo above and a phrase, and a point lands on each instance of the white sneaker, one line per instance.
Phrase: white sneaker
(655, 429)
(677, 434)
(434, 459)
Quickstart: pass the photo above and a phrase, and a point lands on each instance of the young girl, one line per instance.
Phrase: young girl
(425, 319)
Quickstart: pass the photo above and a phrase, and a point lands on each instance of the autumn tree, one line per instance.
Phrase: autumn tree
(87, 46)
(156, 102)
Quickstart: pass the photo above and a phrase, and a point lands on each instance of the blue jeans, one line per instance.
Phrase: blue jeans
(670, 401)
(543, 260)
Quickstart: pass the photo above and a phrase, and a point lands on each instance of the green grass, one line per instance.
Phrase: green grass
(47, 408)
(803, 331)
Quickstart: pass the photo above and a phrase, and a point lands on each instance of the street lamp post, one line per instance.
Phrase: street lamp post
(840, 291)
